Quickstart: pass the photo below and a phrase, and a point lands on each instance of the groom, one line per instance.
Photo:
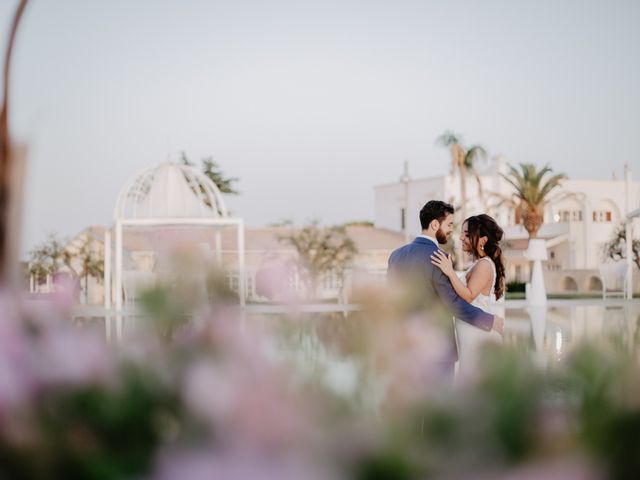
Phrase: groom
(412, 263)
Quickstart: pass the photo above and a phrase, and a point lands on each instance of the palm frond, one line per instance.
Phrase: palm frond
(530, 184)
(449, 138)
(516, 184)
(551, 184)
(472, 154)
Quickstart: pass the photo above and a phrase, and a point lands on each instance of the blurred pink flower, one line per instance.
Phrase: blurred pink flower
(563, 469)
(16, 357)
(236, 465)
(208, 392)
(65, 293)
(247, 404)
(417, 352)
(70, 356)
(244, 395)
(274, 280)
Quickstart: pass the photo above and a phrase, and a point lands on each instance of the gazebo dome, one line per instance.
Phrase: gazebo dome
(169, 190)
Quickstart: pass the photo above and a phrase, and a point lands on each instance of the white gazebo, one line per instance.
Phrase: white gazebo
(169, 194)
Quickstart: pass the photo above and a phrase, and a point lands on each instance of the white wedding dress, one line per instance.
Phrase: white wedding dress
(472, 339)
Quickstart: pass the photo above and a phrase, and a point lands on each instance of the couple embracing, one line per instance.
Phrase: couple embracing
(430, 272)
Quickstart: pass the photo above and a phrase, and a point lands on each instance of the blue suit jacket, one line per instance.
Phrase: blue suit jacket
(413, 261)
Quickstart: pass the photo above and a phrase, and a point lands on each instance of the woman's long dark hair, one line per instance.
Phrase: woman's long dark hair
(480, 226)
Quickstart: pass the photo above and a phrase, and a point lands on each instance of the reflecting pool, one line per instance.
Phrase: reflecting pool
(548, 332)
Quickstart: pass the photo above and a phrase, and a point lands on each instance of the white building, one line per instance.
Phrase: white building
(579, 221)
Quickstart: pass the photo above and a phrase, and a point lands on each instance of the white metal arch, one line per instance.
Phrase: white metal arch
(197, 185)
(193, 199)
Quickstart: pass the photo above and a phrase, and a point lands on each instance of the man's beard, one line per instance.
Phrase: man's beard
(441, 237)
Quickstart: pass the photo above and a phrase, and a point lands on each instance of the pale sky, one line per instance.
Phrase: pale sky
(312, 103)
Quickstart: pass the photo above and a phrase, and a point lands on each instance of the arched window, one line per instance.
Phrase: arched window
(569, 284)
(595, 284)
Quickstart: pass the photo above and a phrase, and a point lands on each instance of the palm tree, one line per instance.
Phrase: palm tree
(532, 191)
(463, 161)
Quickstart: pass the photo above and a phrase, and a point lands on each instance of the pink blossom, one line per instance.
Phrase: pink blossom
(66, 355)
(65, 293)
(564, 469)
(243, 394)
(247, 404)
(236, 465)
(208, 392)
(16, 367)
(415, 354)
(274, 280)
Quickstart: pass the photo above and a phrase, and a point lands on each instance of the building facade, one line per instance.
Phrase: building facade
(579, 221)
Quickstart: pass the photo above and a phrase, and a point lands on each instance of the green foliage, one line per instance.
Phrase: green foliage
(94, 431)
(283, 222)
(463, 160)
(359, 223)
(387, 465)
(515, 286)
(616, 248)
(212, 170)
(168, 316)
(531, 188)
(606, 386)
(514, 393)
(185, 284)
(213, 391)
(321, 250)
(83, 257)
(46, 257)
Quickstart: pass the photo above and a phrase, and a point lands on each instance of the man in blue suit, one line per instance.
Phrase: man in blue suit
(412, 264)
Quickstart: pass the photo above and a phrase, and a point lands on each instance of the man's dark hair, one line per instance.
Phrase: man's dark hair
(434, 210)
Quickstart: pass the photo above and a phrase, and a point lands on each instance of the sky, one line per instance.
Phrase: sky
(312, 103)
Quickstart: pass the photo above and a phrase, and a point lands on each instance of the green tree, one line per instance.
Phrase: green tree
(46, 257)
(616, 248)
(321, 251)
(463, 160)
(532, 190)
(359, 223)
(212, 170)
(82, 258)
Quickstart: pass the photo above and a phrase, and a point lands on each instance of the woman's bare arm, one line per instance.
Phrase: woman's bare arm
(478, 281)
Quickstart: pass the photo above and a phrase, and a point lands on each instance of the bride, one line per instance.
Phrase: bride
(481, 285)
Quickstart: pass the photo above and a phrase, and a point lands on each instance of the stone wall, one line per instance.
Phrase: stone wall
(580, 281)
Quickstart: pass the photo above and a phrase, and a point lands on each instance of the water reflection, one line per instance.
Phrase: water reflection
(550, 333)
